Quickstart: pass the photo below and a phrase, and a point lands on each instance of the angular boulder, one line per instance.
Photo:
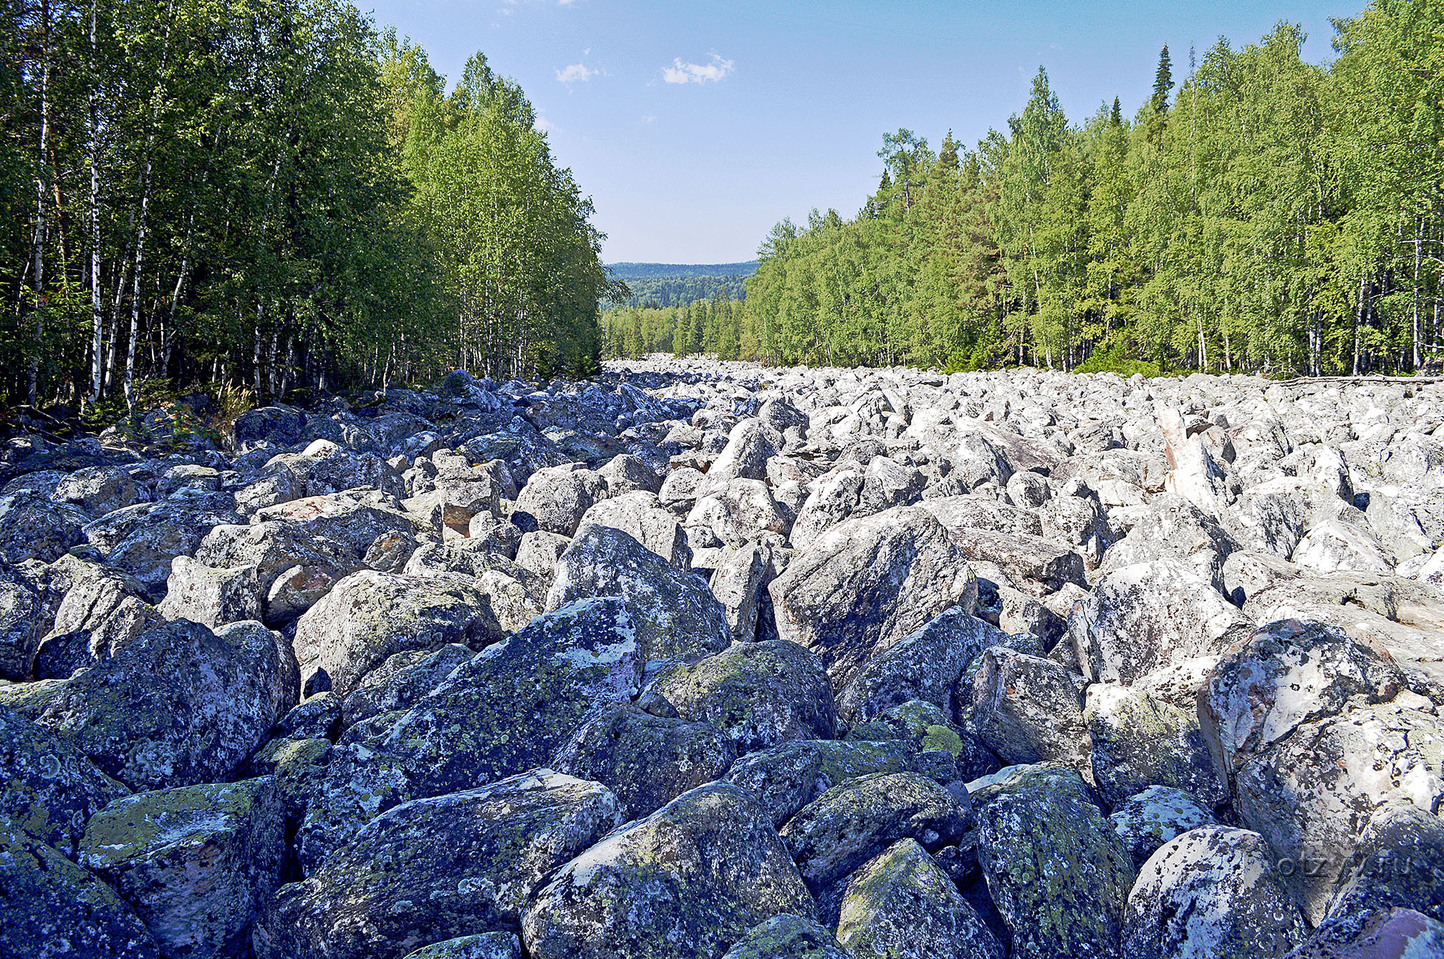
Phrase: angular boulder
(757, 694)
(1212, 891)
(434, 869)
(691, 878)
(673, 611)
(196, 862)
(866, 584)
(901, 905)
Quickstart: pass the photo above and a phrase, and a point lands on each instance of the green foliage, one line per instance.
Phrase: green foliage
(270, 194)
(1286, 218)
(665, 284)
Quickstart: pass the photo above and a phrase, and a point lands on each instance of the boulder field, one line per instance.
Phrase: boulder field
(714, 660)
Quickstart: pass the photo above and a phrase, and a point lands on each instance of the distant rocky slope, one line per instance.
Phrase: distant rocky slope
(706, 659)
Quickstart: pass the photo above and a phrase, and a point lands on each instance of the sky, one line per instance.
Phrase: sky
(696, 125)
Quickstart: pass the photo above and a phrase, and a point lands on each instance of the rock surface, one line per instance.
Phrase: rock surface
(722, 659)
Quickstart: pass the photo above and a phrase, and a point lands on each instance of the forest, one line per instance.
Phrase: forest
(272, 196)
(1265, 214)
(671, 284)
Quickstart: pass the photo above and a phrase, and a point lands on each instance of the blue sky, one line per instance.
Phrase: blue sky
(696, 125)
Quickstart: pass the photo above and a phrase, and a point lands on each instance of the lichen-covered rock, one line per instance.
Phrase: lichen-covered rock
(34, 526)
(901, 905)
(739, 582)
(100, 489)
(434, 869)
(483, 945)
(1143, 617)
(674, 613)
(143, 539)
(1054, 865)
(852, 822)
(1076, 517)
(791, 775)
(740, 512)
(51, 908)
(1152, 817)
(1313, 793)
(345, 525)
(195, 862)
(513, 704)
(175, 706)
(646, 760)
(1386, 934)
(1212, 891)
(209, 596)
(401, 681)
(866, 584)
(1026, 709)
(1038, 566)
(690, 879)
(1399, 862)
(333, 791)
(369, 616)
(22, 624)
(787, 937)
(555, 499)
(758, 694)
(1287, 674)
(538, 553)
(1141, 740)
(925, 665)
(639, 515)
(50, 789)
(680, 489)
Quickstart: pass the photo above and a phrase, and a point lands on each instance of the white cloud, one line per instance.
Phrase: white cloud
(681, 72)
(577, 73)
(544, 125)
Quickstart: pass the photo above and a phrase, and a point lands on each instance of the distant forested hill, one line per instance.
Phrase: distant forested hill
(677, 284)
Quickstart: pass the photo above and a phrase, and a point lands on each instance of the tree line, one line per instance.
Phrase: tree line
(272, 194)
(1266, 214)
(721, 328)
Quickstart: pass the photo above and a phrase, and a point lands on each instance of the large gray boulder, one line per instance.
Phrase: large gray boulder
(925, 665)
(1319, 736)
(787, 937)
(639, 516)
(673, 611)
(51, 908)
(141, 540)
(22, 625)
(793, 774)
(646, 760)
(757, 694)
(50, 789)
(901, 905)
(691, 878)
(854, 821)
(176, 705)
(513, 704)
(369, 616)
(1152, 817)
(1212, 891)
(1056, 869)
(1398, 863)
(556, 498)
(1026, 709)
(1141, 740)
(196, 862)
(866, 584)
(1140, 618)
(434, 869)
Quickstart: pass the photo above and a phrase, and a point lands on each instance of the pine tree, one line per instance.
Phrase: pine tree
(1162, 83)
